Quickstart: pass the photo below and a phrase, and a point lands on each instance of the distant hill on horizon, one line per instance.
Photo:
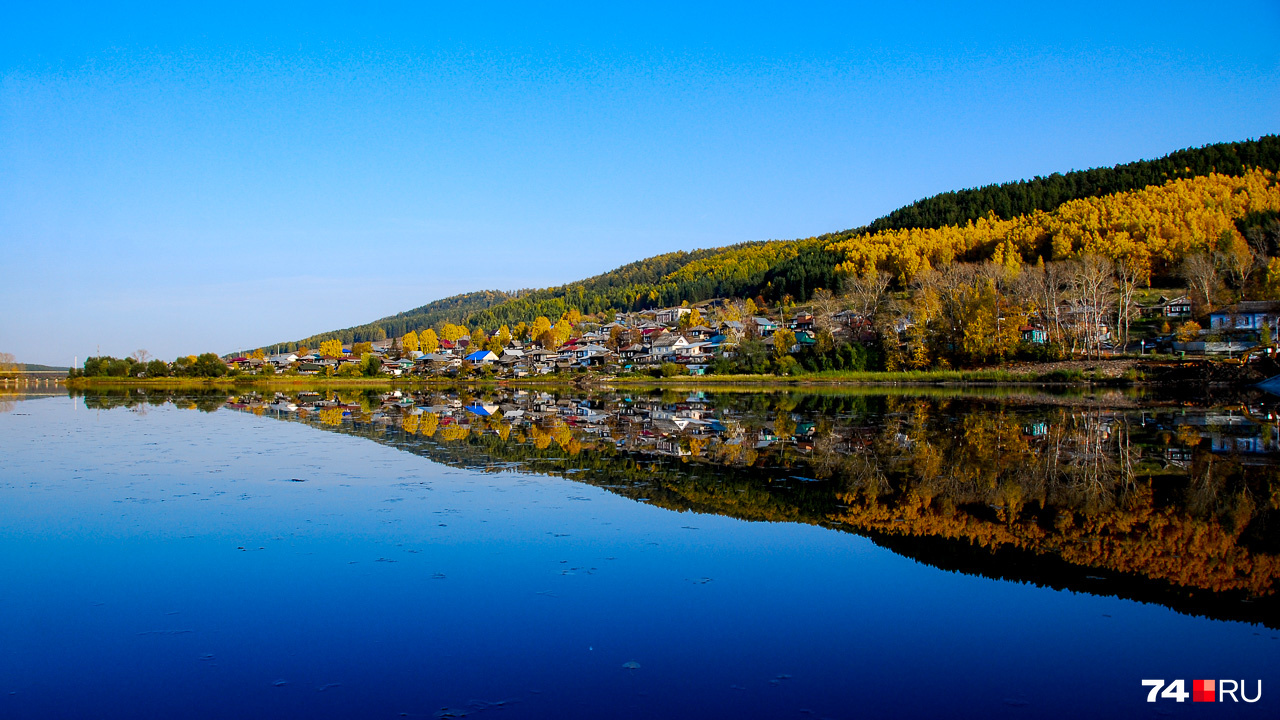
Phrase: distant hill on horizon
(33, 367)
(776, 268)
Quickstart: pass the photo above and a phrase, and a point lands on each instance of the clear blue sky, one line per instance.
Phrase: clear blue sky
(191, 180)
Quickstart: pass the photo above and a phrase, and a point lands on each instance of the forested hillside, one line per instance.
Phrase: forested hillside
(1153, 211)
(737, 270)
(1011, 199)
(1153, 229)
(454, 309)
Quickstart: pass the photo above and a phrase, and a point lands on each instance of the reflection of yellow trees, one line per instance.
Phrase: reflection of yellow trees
(331, 416)
(864, 480)
(786, 402)
(697, 445)
(783, 425)
(409, 423)
(558, 432)
(731, 453)
(355, 397)
(991, 446)
(1081, 470)
(503, 430)
(427, 424)
(1187, 435)
(541, 438)
(1160, 543)
(453, 432)
(563, 435)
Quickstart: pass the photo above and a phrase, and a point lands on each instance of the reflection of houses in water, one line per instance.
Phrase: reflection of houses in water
(1036, 430)
(735, 430)
(1230, 431)
(670, 447)
(1250, 439)
(1228, 443)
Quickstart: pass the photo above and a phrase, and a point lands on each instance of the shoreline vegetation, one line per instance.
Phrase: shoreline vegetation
(1095, 373)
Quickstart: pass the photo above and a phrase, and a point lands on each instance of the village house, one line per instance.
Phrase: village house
(1247, 315)
(633, 351)
(1179, 307)
(666, 346)
(568, 352)
(671, 316)
(436, 362)
(691, 351)
(719, 345)
(282, 360)
(590, 355)
(480, 358)
(512, 356)
(764, 326)
(542, 360)
(1034, 335)
(733, 329)
(316, 367)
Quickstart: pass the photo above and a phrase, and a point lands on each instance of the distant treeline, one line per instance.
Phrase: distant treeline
(207, 365)
(772, 270)
(33, 367)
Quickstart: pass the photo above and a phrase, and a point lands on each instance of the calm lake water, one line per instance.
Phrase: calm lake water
(678, 554)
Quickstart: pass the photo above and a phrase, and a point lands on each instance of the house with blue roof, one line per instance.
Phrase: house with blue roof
(480, 357)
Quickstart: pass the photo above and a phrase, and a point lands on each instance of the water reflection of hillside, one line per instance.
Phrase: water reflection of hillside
(1158, 504)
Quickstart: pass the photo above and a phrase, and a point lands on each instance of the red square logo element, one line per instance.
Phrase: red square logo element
(1202, 691)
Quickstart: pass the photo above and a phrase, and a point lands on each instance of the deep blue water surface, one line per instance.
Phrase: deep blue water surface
(167, 564)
